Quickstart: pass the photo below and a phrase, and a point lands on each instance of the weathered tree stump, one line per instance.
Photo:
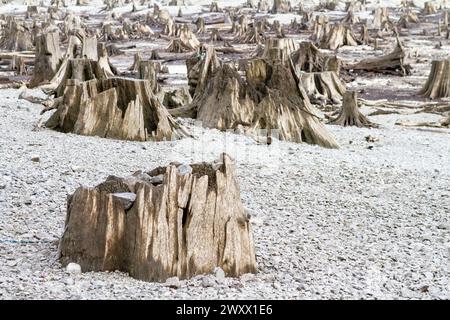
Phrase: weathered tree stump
(322, 86)
(381, 16)
(16, 36)
(350, 115)
(438, 83)
(187, 224)
(281, 6)
(338, 36)
(116, 108)
(278, 49)
(47, 60)
(309, 58)
(271, 99)
(429, 8)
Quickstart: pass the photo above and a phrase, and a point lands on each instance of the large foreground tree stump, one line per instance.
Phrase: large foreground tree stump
(438, 83)
(350, 114)
(187, 224)
(116, 108)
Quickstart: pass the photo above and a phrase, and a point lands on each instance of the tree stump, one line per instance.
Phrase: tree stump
(309, 58)
(16, 36)
(189, 224)
(277, 49)
(350, 115)
(149, 70)
(47, 60)
(322, 86)
(270, 99)
(116, 108)
(429, 8)
(438, 83)
(281, 6)
(338, 36)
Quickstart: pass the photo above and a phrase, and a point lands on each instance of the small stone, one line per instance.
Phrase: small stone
(69, 282)
(126, 198)
(77, 168)
(73, 268)
(220, 274)
(208, 282)
(247, 277)
(424, 289)
(184, 169)
(173, 282)
(370, 138)
(35, 159)
(157, 179)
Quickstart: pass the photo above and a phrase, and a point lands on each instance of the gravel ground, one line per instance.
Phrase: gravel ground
(348, 223)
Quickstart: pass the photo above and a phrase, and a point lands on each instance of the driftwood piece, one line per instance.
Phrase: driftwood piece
(438, 82)
(115, 108)
(350, 115)
(189, 224)
(392, 63)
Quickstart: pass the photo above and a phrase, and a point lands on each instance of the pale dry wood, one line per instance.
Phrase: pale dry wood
(350, 115)
(187, 225)
(117, 108)
(438, 82)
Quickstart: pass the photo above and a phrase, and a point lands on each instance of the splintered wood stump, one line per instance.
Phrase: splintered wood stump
(438, 83)
(281, 6)
(187, 224)
(270, 99)
(324, 86)
(116, 108)
(148, 70)
(309, 58)
(16, 36)
(350, 114)
(277, 49)
(338, 36)
(48, 58)
(80, 70)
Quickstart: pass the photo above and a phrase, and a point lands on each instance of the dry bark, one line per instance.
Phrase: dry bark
(350, 115)
(116, 108)
(438, 83)
(189, 224)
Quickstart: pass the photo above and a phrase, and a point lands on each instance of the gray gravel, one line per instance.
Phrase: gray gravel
(348, 223)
